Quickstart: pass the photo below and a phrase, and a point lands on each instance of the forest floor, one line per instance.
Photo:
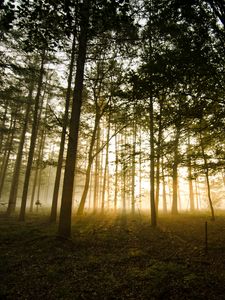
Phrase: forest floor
(113, 257)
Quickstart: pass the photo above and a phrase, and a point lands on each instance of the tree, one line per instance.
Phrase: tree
(66, 205)
(33, 138)
(63, 135)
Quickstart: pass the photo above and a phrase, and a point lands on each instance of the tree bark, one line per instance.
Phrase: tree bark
(207, 177)
(33, 141)
(190, 181)
(140, 172)
(175, 174)
(164, 189)
(133, 167)
(8, 150)
(158, 157)
(3, 125)
(116, 173)
(97, 171)
(38, 169)
(55, 197)
(152, 166)
(16, 172)
(88, 170)
(64, 229)
(106, 166)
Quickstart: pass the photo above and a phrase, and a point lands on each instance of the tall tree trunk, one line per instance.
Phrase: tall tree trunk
(133, 167)
(35, 180)
(16, 172)
(206, 167)
(190, 181)
(116, 173)
(140, 172)
(8, 150)
(38, 166)
(105, 172)
(152, 166)
(90, 189)
(33, 141)
(3, 125)
(124, 173)
(158, 154)
(164, 189)
(88, 170)
(55, 197)
(108, 188)
(175, 174)
(97, 171)
(67, 193)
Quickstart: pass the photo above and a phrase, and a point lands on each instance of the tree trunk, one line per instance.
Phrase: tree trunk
(152, 166)
(33, 141)
(158, 157)
(64, 229)
(190, 181)
(207, 177)
(124, 173)
(88, 170)
(90, 189)
(37, 170)
(140, 173)
(8, 150)
(175, 174)
(164, 189)
(116, 173)
(133, 167)
(96, 175)
(105, 172)
(55, 197)
(16, 172)
(3, 125)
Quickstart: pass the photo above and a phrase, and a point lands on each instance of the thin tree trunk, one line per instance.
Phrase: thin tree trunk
(33, 141)
(7, 155)
(67, 193)
(55, 197)
(190, 181)
(35, 180)
(108, 189)
(88, 170)
(158, 154)
(6, 150)
(133, 167)
(207, 178)
(124, 174)
(97, 175)
(152, 167)
(106, 166)
(116, 173)
(140, 172)
(100, 172)
(16, 172)
(3, 125)
(164, 189)
(37, 170)
(175, 174)
(90, 188)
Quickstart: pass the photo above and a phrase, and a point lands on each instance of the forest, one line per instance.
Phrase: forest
(112, 149)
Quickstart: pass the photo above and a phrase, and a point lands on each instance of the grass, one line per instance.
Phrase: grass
(113, 257)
